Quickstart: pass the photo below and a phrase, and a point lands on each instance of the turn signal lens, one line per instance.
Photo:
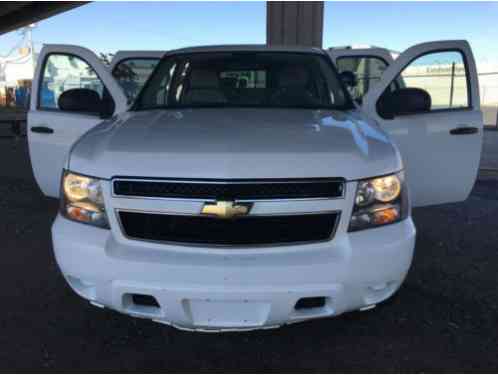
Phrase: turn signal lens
(386, 216)
(78, 214)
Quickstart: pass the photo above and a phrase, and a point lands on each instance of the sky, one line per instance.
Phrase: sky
(108, 27)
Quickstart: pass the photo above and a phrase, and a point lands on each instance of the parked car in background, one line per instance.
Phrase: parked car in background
(244, 188)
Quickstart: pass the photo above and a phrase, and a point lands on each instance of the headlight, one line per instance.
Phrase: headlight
(379, 201)
(82, 200)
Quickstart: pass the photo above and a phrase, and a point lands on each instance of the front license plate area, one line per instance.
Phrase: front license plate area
(227, 314)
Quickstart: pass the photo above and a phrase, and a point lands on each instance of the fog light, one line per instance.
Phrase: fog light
(377, 293)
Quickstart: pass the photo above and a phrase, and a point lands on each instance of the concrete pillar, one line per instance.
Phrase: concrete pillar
(294, 23)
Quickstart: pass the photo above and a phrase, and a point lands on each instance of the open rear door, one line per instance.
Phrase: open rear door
(441, 143)
(51, 129)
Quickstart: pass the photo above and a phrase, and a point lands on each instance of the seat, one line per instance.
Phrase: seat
(204, 88)
(293, 89)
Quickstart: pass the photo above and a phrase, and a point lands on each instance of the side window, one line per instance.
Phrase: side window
(443, 76)
(62, 73)
(132, 74)
(157, 93)
(367, 69)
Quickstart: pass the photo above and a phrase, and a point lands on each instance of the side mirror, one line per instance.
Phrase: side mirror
(80, 100)
(404, 101)
(348, 78)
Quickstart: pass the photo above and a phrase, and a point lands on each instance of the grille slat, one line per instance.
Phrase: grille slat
(247, 230)
(231, 189)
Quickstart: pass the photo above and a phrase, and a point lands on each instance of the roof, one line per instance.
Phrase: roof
(247, 47)
(14, 15)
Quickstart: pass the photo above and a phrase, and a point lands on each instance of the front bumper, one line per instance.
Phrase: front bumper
(234, 289)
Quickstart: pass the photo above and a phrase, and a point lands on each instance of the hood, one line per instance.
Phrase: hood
(236, 143)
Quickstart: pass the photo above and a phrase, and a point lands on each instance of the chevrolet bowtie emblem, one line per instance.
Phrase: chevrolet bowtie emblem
(226, 209)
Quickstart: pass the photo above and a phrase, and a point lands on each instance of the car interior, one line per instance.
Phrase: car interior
(285, 85)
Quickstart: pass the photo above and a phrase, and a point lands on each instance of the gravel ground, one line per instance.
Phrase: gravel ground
(443, 318)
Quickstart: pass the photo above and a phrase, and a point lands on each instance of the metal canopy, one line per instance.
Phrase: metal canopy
(288, 23)
(14, 15)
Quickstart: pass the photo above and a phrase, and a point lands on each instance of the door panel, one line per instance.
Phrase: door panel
(440, 154)
(48, 151)
(52, 131)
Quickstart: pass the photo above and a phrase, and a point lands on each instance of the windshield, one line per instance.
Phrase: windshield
(244, 79)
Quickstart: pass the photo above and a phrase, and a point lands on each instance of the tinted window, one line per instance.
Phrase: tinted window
(65, 72)
(367, 69)
(244, 79)
(132, 74)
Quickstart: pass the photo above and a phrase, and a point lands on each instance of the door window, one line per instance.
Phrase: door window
(443, 76)
(65, 72)
(132, 74)
(367, 69)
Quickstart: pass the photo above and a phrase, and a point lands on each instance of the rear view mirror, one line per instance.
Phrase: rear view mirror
(348, 78)
(80, 100)
(404, 101)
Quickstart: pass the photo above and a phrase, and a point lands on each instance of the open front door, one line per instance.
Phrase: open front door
(435, 120)
(55, 124)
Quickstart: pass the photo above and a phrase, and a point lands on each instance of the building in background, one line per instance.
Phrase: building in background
(16, 71)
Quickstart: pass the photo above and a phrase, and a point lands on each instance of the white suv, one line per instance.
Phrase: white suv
(244, 188)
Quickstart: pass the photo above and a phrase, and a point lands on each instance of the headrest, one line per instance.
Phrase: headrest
(294, 76)
(204, 79)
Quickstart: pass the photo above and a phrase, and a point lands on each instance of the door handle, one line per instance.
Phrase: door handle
(42, 129)
(464, 130)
